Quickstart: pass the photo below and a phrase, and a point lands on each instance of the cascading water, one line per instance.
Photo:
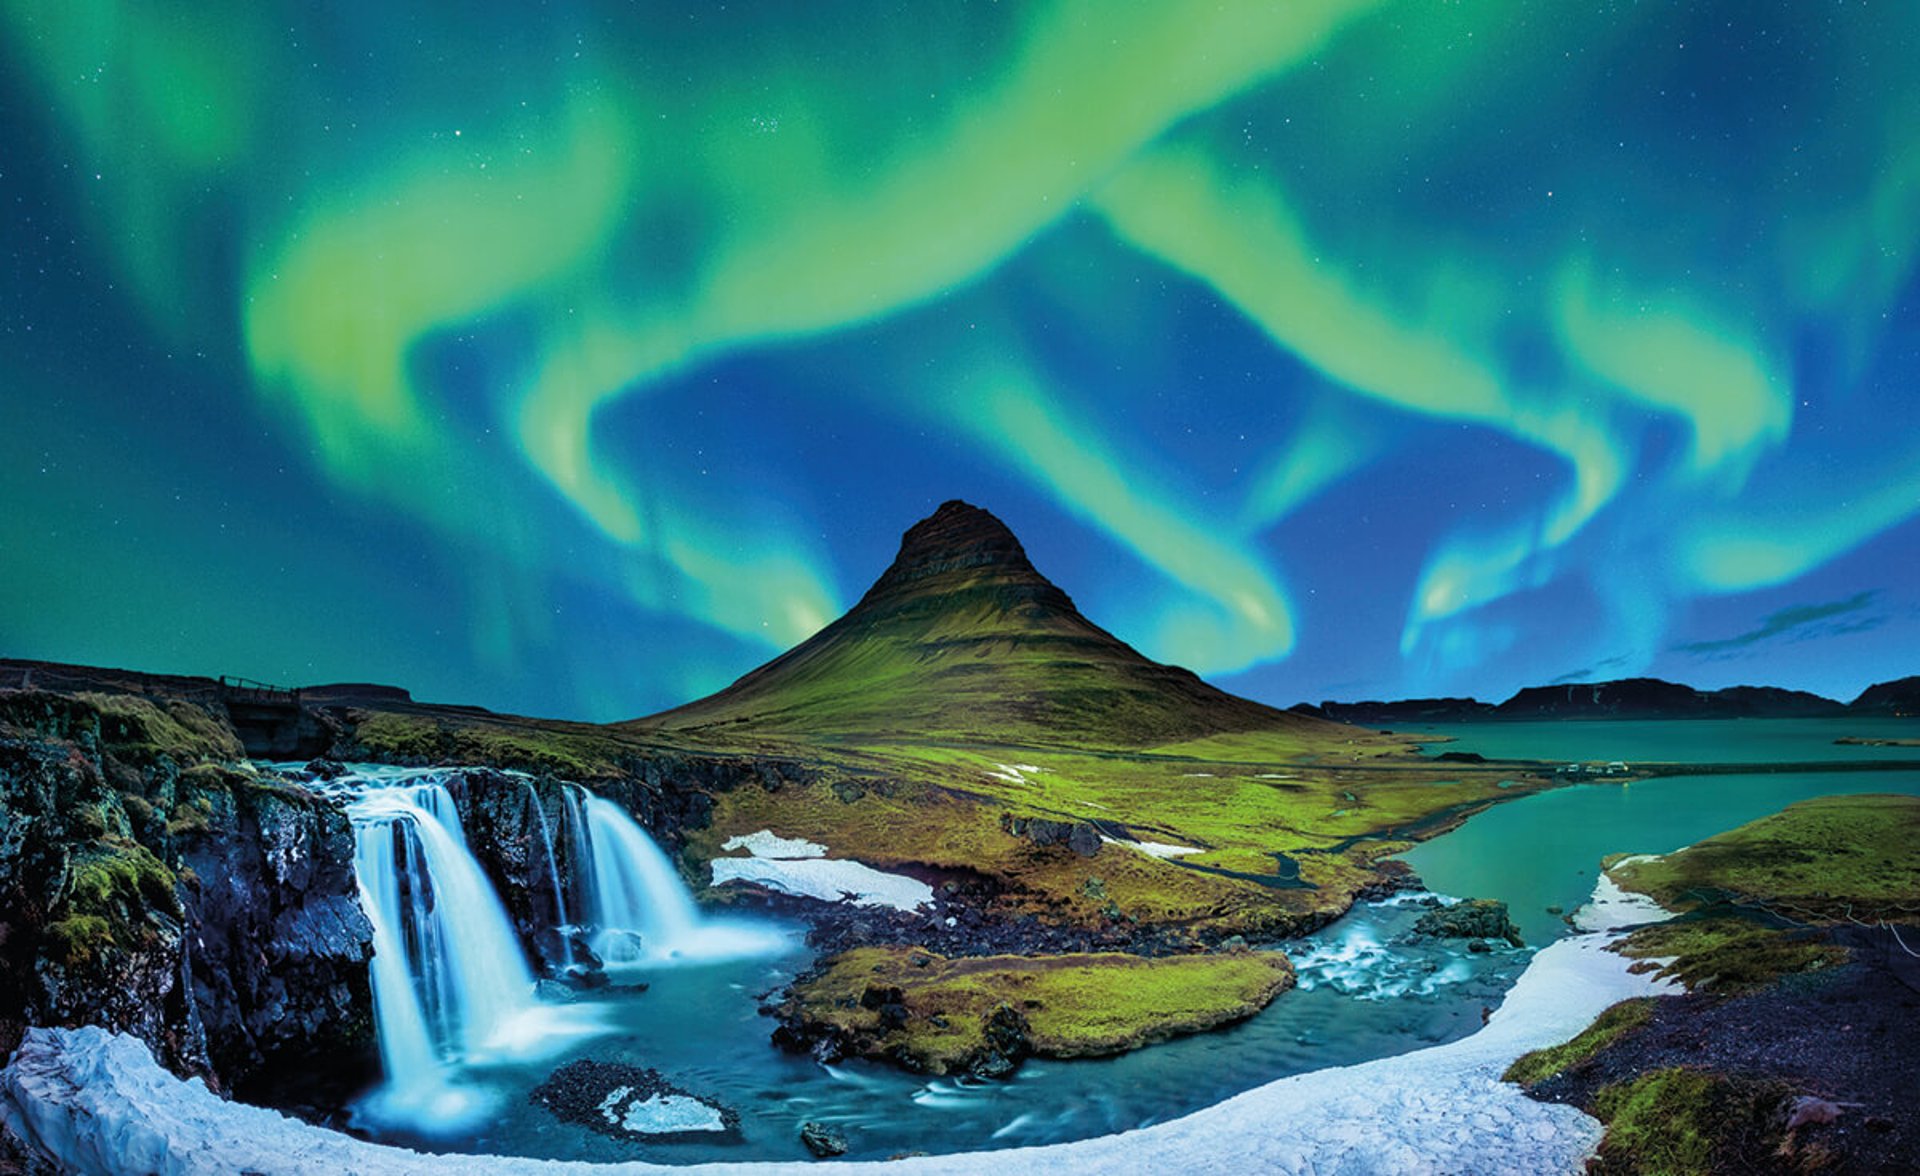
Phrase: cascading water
(560, 919)
(640, 909)
(451, 985)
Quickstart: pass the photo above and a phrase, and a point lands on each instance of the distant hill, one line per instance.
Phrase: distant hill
(1653, 698)
(962, 638)
(1627, 698)
(1899, 698)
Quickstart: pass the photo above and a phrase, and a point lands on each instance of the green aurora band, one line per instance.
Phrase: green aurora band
(439, 253)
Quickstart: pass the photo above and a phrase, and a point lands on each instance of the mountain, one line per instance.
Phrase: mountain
(961, 638)
(1898, 698)
(1625, 698)
(1653, 698)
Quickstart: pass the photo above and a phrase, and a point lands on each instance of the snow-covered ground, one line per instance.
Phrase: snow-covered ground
(794, 865)
(97, 1102)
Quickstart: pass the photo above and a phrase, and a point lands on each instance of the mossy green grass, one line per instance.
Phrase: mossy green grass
(1074, 1005)
(1537, 1066)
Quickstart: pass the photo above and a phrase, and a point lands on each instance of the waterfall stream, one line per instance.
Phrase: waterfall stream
(452, 987)
(560, 919)
(641, 908)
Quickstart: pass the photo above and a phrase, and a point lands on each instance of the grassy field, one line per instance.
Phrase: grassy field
(1822, 860)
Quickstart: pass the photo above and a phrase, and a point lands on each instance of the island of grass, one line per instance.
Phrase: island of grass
(1797, 1043)
(982, 1015)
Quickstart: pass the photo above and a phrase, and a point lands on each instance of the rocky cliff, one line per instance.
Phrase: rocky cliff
(150, 886)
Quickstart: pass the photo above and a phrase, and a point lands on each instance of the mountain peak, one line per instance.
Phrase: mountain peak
(962, 639)
(958, 537)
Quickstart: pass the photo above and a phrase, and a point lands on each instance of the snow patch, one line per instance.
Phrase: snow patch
(828, 881)
(668, 1114)
(768, 844)
(1612, 907)
(1155, 849)
(1015, 773)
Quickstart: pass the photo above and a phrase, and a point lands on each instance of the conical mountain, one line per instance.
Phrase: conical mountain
(962, 639)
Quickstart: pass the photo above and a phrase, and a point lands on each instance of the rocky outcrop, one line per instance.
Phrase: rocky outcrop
(632, 1102)
(1477, 919)
(1082, 837)
(279, 948)
(148, 888)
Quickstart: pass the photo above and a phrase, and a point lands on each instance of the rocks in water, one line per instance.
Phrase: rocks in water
(1475, 918)
(822, 1140)
(631, 1102)
(1008, 1043)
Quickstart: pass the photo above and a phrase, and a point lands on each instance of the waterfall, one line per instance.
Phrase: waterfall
(453, 974)
(579, 847)
(452, 988)
(560, 920)
(451, 985)
(641, 907)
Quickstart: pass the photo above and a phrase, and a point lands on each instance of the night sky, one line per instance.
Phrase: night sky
(574, 358)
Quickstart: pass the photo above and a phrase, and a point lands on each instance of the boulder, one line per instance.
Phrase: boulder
(822, 1140)
(1476, 918)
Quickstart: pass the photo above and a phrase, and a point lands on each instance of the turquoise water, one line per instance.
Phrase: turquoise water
(1694, 741)
(1365, 992)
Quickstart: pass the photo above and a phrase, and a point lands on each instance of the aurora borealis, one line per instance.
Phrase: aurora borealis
(576, 357)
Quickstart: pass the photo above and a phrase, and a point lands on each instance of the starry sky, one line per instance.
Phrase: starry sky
(575, 357)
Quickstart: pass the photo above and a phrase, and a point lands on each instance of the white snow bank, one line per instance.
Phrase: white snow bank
(1611, 907)
(768, 844)
(1156, 849)
(97, 1102)
(829, 881)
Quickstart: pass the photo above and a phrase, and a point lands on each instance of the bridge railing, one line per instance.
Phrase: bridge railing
(262, 693)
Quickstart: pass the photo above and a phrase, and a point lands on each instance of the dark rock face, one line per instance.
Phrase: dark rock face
(148, 889)
(1476, 919)
(281, 947)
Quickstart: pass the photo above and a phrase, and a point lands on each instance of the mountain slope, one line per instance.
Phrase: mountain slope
(961, 638)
